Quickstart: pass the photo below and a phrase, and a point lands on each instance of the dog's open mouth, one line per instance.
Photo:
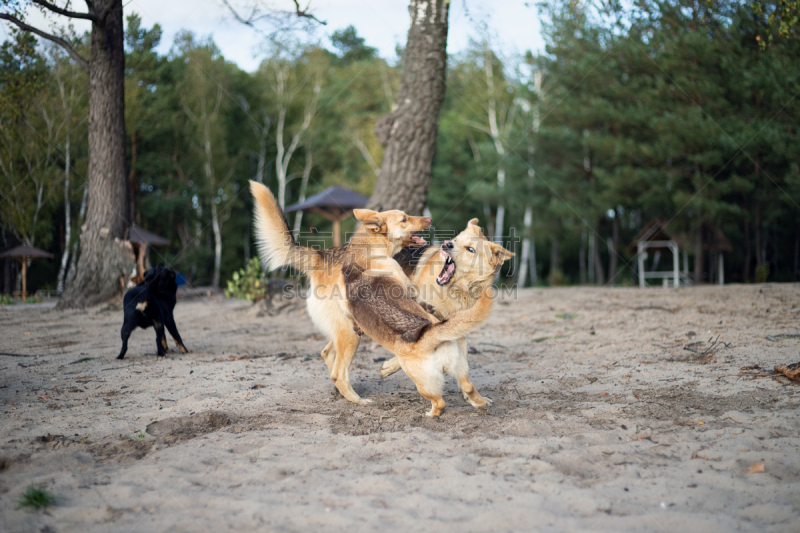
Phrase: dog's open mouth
(419, 241)
(449, 269)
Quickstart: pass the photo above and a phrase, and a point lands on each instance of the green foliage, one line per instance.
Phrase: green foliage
(249, 283)
(677, 110)
(7, 299)
(36, 498)
(351, 47)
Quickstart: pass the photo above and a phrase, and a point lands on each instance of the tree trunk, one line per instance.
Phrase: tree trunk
(103, 259)
(553, 255)
(613, 257)
(74, 260)
(600, 276)
(748, 253)
(298, 218)
(409, 133)
(698, 257)
(759, 244)
(67, 222)
(582, 257)
(132, 180)
(526, 249)
(215, 226)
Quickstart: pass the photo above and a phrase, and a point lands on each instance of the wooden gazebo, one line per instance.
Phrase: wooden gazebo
(335, 204)
(25, 253)
(655, 236)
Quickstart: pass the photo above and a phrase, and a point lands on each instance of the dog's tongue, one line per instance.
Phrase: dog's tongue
(418, 240)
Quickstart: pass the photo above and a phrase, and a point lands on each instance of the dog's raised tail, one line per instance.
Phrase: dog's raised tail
(458, 324)
(276, 244)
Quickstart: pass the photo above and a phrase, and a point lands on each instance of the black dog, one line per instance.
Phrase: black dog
(150, 303)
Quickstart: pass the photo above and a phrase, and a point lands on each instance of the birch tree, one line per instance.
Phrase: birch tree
(288, 91)
(203, 94)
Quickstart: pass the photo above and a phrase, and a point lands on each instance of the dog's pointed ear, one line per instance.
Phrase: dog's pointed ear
(499, 254)
(474, 227)
(363, 214)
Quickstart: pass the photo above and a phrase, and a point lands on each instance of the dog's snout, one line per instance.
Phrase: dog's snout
(427, 220)
(448, 244)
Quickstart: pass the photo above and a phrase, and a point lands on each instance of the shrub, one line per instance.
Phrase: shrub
(249, 283)
(36, 498)
(7, 299)
(556, 278)
(762, 273)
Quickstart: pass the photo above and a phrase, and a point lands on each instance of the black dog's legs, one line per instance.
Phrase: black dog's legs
(126, 332)
(161, 339)
(169, 321)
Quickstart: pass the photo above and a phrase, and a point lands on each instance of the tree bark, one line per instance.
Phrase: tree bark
(103, 259)
(409, 133)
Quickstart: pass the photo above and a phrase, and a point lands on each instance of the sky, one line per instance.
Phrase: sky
(512, 24)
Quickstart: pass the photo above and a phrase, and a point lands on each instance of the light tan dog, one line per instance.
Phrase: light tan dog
(381, 300)
(451, 277)
(327, 302)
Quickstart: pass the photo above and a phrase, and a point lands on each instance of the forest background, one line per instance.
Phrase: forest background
(681, 111)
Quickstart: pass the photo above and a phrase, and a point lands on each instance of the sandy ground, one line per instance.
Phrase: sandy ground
(601, 421)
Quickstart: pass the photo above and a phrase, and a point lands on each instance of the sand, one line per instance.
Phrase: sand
(601, 421)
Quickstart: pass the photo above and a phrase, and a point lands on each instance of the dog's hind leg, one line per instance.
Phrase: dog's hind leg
(427, 375)
(169, 322)
(328, 354)
(462, 350)
(345, 343)
(125, 333)
(459, 369)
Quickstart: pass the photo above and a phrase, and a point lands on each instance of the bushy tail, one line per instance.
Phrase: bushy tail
(458, 324)
(275, 241)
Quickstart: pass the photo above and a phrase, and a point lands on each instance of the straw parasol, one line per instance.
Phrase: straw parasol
(25, 253)
(335, 204)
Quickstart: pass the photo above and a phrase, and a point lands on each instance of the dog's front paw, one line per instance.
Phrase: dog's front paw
(427, 307)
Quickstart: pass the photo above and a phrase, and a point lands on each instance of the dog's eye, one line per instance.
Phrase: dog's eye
(405, 219)
(470, 249)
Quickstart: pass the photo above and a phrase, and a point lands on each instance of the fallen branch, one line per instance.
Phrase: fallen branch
(17, 354)
(708, 351)
(776, 338)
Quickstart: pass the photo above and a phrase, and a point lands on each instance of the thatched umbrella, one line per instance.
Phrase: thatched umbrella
(335, 204)
(25, 253)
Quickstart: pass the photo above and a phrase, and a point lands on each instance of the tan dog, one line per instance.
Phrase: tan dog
(381, 302)
(451, 277)
(327, 302)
